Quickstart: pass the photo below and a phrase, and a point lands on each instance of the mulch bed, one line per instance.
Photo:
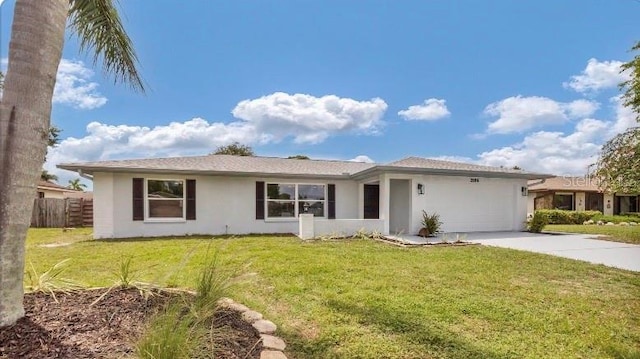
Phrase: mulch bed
(72, 328)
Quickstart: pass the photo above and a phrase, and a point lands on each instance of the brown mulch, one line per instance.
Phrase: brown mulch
(72, 328)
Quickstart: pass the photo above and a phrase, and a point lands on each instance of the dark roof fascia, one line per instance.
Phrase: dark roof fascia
(445, 172)
(565, 190)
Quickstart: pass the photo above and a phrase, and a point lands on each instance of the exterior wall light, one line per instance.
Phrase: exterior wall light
(420, 188)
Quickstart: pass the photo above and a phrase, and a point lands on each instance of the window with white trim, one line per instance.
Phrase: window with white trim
(165, 198)
(288, 200)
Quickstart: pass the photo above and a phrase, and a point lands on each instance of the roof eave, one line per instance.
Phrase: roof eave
(447, 172)
(92, 169)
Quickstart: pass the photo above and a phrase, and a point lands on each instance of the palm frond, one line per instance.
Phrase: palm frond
(99, 28)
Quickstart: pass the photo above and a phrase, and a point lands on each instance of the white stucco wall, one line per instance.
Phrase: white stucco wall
(580, 200)
(51, 194)
(531, 197)
(224, 205)
(103, 209)
(608, 204)
(492, 204)
(400, 206)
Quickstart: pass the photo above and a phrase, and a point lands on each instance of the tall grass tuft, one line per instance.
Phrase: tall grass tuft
(171, 335)
(213, 283)
(50, 281)
(185, 329)
(126, 275)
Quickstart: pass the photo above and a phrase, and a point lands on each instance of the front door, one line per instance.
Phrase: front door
(371, 201)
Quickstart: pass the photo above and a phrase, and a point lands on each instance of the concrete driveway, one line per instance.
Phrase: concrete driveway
(575, 246)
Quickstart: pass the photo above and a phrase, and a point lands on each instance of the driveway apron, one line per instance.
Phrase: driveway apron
(583, 247)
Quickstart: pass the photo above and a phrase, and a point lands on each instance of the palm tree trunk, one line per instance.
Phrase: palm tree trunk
(35, 49)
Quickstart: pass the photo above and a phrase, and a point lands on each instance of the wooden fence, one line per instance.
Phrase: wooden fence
(58, 213)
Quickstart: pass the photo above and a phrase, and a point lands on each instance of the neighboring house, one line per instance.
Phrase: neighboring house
(223, 194)
(578, 194)
(85, 195)
(48, 189)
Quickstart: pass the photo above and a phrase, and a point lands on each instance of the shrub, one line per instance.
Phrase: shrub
(537, 223)
(559, 216)
(431, 222)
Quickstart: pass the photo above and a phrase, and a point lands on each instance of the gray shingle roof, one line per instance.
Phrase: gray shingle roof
(419, 162)
(566, 183)
(245, 165)
(225, 164)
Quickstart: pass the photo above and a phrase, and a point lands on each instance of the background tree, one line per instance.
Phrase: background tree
(618, 167)
(46, 176)
(235, 149)
(631, 87)
(35, 51)
(76, 185)
(299, 157)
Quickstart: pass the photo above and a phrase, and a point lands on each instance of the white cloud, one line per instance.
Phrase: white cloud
(581, 108)
(74, 88)
(559, 153)
(73, 85)
(552, 152)
(362, 158)
(518, 114)
(265, 120)
(625, 117)
(432, 109)
(109, 141)
(598, 75)
(310, 119)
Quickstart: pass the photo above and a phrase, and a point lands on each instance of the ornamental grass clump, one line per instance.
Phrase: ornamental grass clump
(430, 224)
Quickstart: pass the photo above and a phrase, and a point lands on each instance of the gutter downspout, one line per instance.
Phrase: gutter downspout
(84, 175)
(537, 183)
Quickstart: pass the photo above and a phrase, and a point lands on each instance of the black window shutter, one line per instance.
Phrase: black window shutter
(259, 200)
(138, 199)
(191, 199)
(331, 194)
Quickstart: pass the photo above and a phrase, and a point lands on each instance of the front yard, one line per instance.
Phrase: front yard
(624, 234)
(364, 299)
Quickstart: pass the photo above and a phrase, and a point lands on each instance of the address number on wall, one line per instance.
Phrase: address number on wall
(474, 180)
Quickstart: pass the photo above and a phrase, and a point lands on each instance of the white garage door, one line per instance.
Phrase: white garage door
(469, 205)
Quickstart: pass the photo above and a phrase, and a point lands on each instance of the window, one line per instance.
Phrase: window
(288, 200)
(563, 201)
(40, 194)
(594, 202)
(165, 198)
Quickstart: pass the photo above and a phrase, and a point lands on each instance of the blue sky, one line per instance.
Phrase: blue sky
(527, 83)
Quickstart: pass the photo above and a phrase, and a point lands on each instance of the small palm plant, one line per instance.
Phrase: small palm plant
(430, 224)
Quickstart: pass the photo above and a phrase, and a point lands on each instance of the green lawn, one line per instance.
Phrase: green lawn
(365, 299)
(625, 234)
